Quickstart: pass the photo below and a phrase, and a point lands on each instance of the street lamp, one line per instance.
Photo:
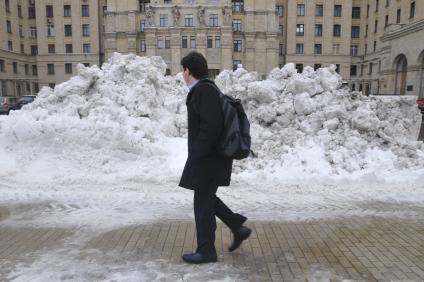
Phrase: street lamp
(420, 103)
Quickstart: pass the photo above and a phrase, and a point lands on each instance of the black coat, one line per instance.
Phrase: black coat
(204, 165)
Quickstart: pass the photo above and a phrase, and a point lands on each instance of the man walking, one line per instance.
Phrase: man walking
(205, 168)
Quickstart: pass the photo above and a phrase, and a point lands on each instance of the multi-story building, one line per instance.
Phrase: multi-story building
(43, 40)
(376, 45)
(227, 33)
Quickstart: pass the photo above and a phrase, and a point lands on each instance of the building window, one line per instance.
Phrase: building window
(86, 48)
(67, 10)
(217, 41)
(387, 3)
(21, 33)
(356, 12)
(337, 10)
(338, 68)
(167, 2)
(51, 48)
(85, 11)
(34, 70)
(238, 5)
(366, 31)
(317, 66)
(209, 43)
(192, 42)
(142, 5)
(142, 25)
(319, 10)
(336, 49)
(33, 32)
(318, 30)
(236, 25)
(68, 68)
(355, 31)
(68, 48)
(184, 42)
(368, 10)
(299, 48)
(377, 3)
(235, 64)
(15, 67)
(299, 68)
(7, 4)
(167, 42)
(2, 66)
(188, 20)
(279, 10)
(301, 9)
(375, 46)
(354, 50)
(280, 29)
(50, 69)
(300, 29)
(34, 50)
(50, 30)
(353, 70)
(22, 48)
(366, 48)
(142, 45)
(370, 68)
(213, 20)
(375, 26)
(337, 30)
(386, 21)
(31, 12)
(237, 45)
(8, 26)
(163, 20)
(398, 15)
(281, 50)
(318, 49)
(68, 30)
(20, 11)
(412, 10)
(10, 45)
(49, 11)
(160, 43)
(85, 30)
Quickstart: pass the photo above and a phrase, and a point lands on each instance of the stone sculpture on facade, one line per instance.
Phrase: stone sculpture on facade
(150, 13)
(226, 12)
(201, 15)
(176, 14)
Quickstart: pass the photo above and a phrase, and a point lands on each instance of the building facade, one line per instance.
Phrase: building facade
(376, 45)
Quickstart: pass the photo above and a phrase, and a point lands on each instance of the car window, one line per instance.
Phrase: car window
(1, 99)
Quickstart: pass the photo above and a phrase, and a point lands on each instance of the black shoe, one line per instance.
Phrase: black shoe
(199, 258)
(239, 236)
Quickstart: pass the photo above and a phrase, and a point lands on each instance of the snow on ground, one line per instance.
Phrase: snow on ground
(106, 149)
(127, 122)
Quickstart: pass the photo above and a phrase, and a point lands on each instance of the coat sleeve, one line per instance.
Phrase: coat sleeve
(208, 107)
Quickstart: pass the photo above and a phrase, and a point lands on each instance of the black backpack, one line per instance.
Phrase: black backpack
(235, 139)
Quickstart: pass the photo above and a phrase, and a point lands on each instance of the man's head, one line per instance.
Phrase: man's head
(194, 67)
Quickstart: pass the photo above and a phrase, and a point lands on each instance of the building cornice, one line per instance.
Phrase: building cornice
(405, 30)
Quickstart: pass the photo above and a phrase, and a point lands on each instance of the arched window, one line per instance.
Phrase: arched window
(401, 65)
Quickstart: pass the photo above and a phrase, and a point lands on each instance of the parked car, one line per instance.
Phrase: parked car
(7, 104)
(26, 99)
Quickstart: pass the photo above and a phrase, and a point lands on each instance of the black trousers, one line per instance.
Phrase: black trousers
(206, 206)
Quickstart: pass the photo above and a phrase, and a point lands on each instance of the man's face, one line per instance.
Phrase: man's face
(186, 76)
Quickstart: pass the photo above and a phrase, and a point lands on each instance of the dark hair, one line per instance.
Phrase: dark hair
(196, 64)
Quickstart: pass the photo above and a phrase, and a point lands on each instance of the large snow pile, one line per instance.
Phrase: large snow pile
(127, 121)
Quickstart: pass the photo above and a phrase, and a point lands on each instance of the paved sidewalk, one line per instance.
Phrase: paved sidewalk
(364, 249)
